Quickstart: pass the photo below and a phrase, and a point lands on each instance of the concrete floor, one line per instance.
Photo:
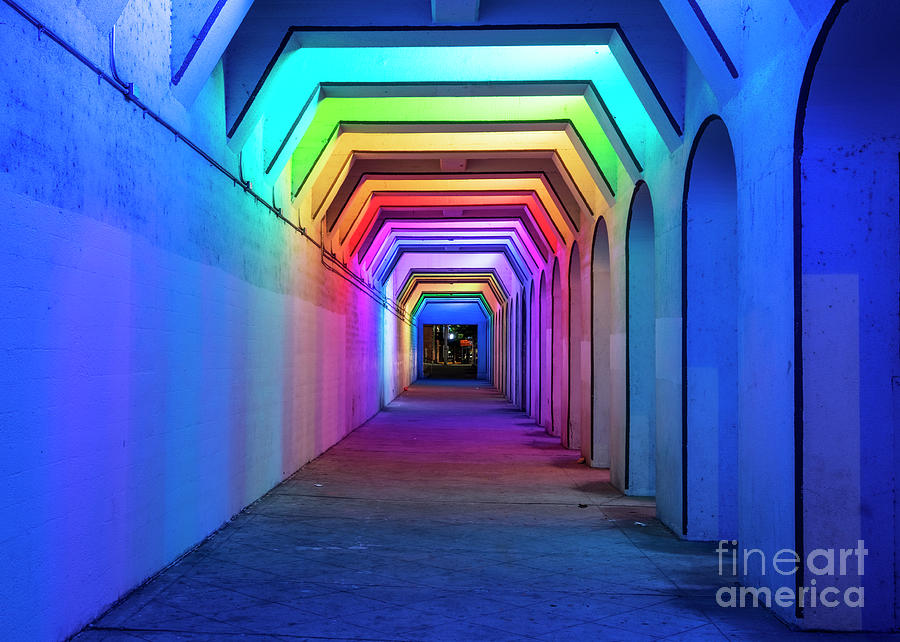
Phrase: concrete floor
(449, 516)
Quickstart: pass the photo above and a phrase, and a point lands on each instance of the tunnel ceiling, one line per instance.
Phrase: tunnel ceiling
(447, 164)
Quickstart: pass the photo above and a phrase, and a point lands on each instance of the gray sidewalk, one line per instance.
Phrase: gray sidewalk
(449, 516)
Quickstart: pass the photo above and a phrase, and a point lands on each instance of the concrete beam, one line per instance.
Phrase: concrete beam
(454, 11)
(201, 32)
(453, 164)
(262, 46)
(102, 13)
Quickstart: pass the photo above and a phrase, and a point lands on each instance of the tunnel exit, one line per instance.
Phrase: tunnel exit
(453, 338)
(450, 351)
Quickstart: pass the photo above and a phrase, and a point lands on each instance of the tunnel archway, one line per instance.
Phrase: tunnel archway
(847, 294)
(640, 364)
(498, 350)
(504, 342)
(516, 353)
(601, 330)
(559, 366)
(517, 349)
(545, 348)
(710, 301)
(508, 316)
(579, 421)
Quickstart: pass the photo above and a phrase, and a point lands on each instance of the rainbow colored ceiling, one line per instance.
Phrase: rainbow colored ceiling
(436, 167)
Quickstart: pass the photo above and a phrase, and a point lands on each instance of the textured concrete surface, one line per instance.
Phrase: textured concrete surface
(449, 516)
(170, 350)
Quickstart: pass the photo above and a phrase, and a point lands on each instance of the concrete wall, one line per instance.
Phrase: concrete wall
(759, 110)
(754, 476)
(171, 349)
(850, 285)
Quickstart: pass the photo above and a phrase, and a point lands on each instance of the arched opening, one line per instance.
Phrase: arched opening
(516, 353)
(640, 364)
(545, 343)
(601, 329)
(847, 293)
(579, 348)
(506, 334)
(501, 349)
(709, 297)
(559, 367)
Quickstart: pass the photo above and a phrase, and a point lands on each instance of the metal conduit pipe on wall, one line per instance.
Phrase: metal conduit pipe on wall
(127, 91)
